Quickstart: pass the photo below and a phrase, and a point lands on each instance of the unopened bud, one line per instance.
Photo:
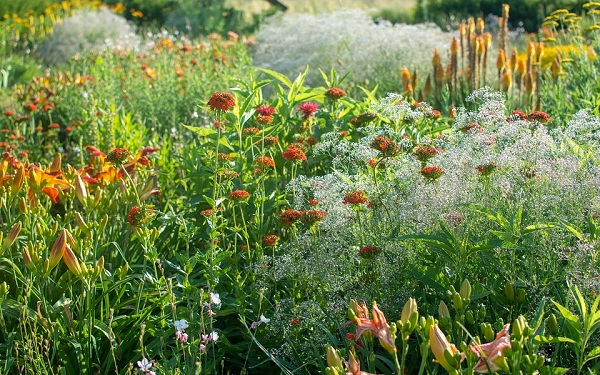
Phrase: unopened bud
(520, 327)
(552, 324)
(71, 261)
(520, 295)
(509, 291)
(457, 302)
(81, 191)
(410, 315)
(57, 250)
(465, 289)
(17, 182)
(333, 358)
(443, 311)
(469, 317)
(55, 166)
(23, 206)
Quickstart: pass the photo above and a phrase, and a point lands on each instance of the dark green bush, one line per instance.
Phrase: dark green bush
(529, 13)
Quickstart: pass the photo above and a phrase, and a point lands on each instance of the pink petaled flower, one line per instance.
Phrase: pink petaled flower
(308, 109)
(378, 325)
(265, 110)
(238, 195)
(203, 348)
(182, 337)
(431, 173)
(312, 217)
(289, 217)
(491, 355)
(335, 93)
(369, 252)
(294, 153)
(94, 152)
(221, 101)
(213, 336)
(355, 197)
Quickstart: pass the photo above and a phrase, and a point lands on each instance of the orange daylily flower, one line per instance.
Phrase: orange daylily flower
(46, 182)
(491, 355)
(378, 325)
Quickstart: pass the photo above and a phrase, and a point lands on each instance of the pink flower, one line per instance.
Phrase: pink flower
(491, 355)
(308, 109)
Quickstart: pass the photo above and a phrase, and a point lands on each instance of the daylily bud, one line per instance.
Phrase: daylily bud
(331, 371)
(552, 324)
(27, 258)
(81, 191)
(57, 250)
(520, 295)
(3, 289)
(409, 316)
(443, 311)
(23, 206)
(99, 267)
(103, 223)
(457, 302)
(81, 223)
(71, 261)
(11, 237)
(442, 350)
(55, 166)
(481, 313)
(469, 317)
(509, 291)
(520, 327)
(333, 358)
(465, 289)
(17, 182)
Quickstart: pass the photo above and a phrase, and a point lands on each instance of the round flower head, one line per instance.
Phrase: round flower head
(289, 217)
(363, 118)
(117, 156)
(265, 110)
(139, 216)
(335, 93)
(264, 162)
(431, 173)
(355, 197)
(270, 240)
(369, 252)
(307, 110)
(425, 152)
(238, 195)
(386, 146)
(269, 141)
(312, 217)
(294, 153)
(221, 101)
(487, 169)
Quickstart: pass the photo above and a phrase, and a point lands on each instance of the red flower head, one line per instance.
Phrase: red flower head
(289, 217)
(386, 146)
(369, 252)
(251, 131)
(425, 152)
(265, 110)
(519, 114)
(355, 197)
(539, 116)
(118, 156)
(487, 169)
(264, 162)
(223, 157)
(294, 153)
(335, 93)
(221, 101)
(270, 240)
(295, 321)
(308, 109)
(8, 112)
(263, 120)
(311, 217)
(269, 141)
(139, 216)
(431, 173)
(238, 195)
(363, 118)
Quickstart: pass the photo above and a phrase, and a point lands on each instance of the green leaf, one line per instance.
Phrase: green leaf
(551, 370)
(539, 339)
(201, 131)
(594, 353)
(580, 301)
(278, 76)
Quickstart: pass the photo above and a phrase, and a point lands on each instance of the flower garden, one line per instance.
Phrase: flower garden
(233, 203)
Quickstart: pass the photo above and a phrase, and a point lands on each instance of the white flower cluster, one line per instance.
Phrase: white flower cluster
(87, 31)
(347, 40)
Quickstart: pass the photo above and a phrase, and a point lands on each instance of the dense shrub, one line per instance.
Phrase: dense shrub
(86, 31)
(529, 13)
(288, 43)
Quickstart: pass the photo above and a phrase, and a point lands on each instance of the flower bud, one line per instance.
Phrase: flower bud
(333, 358)
(409, 316)
(520, 295)
(552, 324)
(55, 166)
(81, 223)
(457, 302)
(23, 206)
(465, 289)
(99, 267)
(520, 327)
(443, 311)
(17, 182)
(469, 316)
(11, 237)
(81, 191)
(57, 250)
(509, 291)
(71, 261)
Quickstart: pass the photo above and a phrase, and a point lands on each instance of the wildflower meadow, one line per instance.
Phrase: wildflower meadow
(208, 188)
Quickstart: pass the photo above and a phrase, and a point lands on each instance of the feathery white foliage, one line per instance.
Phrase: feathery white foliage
(347, 40)
(85, 31)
